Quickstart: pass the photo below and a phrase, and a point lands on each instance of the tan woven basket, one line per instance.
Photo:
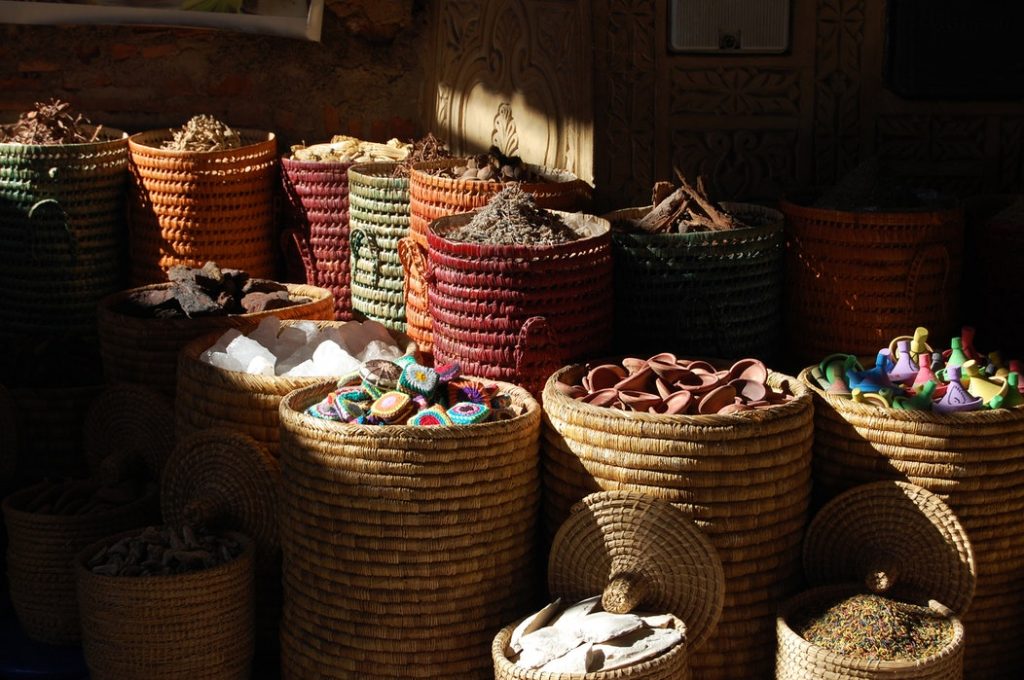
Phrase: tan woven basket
(40, 552)
(642, 554)
(146, 351)
(743, 478)
(197, 625)
(973, 462)
(404, 547)
(129, 433)
(884, 537)
(49, 425)
(188, 207)
(209, 396)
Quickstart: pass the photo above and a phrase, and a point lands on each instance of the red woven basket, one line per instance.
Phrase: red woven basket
(518, 312)
(318, 194)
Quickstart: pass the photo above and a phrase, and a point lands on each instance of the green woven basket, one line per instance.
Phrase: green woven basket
(61, 233)
(379, 217)
(704, 293)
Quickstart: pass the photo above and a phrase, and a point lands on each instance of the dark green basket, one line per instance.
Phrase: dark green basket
(700, 294)
(62, 235)
(378, 218)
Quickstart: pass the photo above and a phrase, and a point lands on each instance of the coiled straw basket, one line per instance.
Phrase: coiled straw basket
(640, 554)
(973, 462)
(61, 233)
(405, 547)
(40, 553)
(194, 625)
(743, 478)
(715, 293)
(140, 350)
(188, 207)
(378, 217)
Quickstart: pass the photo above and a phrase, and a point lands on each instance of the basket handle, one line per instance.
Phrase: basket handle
(293, 236)
(203, 510)
(625, 590)
(535, 336)
(881, 575)
(357, 238)
(121, 465)
(72, 239)
(932, 251)
(414, 260)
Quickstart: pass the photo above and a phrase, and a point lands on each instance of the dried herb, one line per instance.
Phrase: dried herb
(513, 218)
(203, 133)
(346, 149)
(493, 166)
(424, 150)
(164, 551)
(875, 627)
(50, 123)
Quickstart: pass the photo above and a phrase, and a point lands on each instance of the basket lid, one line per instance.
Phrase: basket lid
(641, 553)
(127, 425)
(222, 477)
(892, 536)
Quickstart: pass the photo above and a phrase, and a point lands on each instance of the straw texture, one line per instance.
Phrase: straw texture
(378, 217)
(61, 233)
(404, 547)
(188, 207)
(318, 192)
(195, 625)
(972, 462)
(40, 552)
(801, 660)
(744, 479)
(855, 280)
(432, 196)
(715, 293)
(209, 396)
(50, 423)
(137, 350)
(8, 437)
(129, 431)
(517, 313)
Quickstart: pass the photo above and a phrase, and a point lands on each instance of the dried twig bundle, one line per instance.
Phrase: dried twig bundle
(50, 123)
(685, 210)
(203, 133)
(424, 149)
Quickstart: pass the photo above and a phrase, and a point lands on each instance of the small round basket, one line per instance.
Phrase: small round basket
(129, 432)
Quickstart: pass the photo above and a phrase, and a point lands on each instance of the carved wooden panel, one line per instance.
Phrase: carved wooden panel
(837, 119)
(1011, 154)
(515, 74)
(735, 91)
(738, 164)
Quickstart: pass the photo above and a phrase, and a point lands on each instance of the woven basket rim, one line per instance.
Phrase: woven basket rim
(801, 400)
(372, 168)
(833, 593)
(11, 506)
(120, 137)
(502, 250)
(790, 205)
(142, 141)
(553, 176)
(307, 396)
(843, 406)
(657, 239)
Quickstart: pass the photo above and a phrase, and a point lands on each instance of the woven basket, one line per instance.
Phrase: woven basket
(405, 547)
(196, 625)
(209, 396)
(8, 438)
(137, 350)
(188, 207)
(856, 279)
(972, 461)
(61, 233)
(319, 196)
(715, 293)
(641, 554)
(432, 196)
(129, 433)
(518, 313)
(40, 551)
(379, 217)
(49, 422)
(755, 518)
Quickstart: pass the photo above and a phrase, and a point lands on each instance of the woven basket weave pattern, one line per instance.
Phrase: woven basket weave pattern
(189, 207)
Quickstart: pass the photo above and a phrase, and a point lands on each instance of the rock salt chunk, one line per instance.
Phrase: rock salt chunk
(546, 644)
(570, 618)
(224, 340)
(375, 330)
(354, 337)
(575, 661)
(531, 623)
(304, 370)
(244, 349)
(260, 366)
(289, 340)
(635, 647)
(603, 626)
(266, 332)
(330, 359)
(228, 363)
(379, 349)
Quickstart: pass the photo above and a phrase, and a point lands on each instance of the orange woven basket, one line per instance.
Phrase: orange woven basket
(188, 207)
(856, 279)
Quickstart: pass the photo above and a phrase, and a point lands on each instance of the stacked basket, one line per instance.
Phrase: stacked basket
(972, 461)
(518, 312)
(378, 218)
(755, 518)
(189, 207)
(405, 547)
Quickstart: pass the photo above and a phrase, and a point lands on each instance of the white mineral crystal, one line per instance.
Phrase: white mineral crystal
(228, 363)
(635, 647)
(604, 626)
(570, 618)
(260, 366)
(304, 370)
(244, 349)
(330, 359)
(546, 644)
(308, 328)
(379, 349)
(266, 332)
(576, 660)
(532, 623)
(222, 343)
(354, 337)
(289, 340)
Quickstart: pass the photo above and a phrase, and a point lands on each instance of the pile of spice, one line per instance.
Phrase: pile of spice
(69, 498)
(50, 123)
(203, 133)
(402, 392)
(668, 385)
(682, 210)
(493, 166)
(207, 291)
(875, 627)
(302, 349)
(345, 149)
(512, 217)
(164, 551)
(872, 186)
(909, 375)
(424, 150)
(583, 638)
